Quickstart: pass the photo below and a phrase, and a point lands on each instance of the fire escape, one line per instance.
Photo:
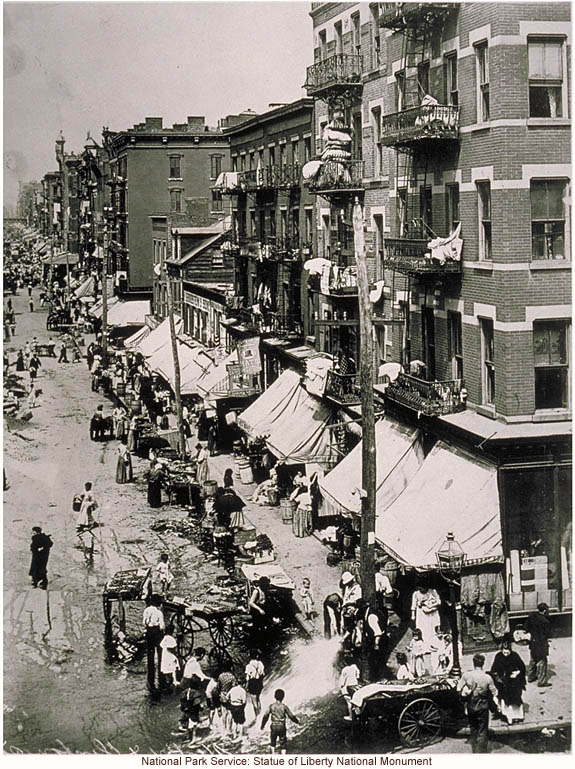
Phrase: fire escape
(337, 176)
(421, 259)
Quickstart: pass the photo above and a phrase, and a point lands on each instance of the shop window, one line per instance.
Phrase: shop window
(175, 167)
(487, 360)
(482, 71)
(551, 363)
(545, 77)
(537, 536)
(484, 205)
(455, 344)
(548, 213)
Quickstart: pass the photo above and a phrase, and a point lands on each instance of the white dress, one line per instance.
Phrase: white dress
(426, 609)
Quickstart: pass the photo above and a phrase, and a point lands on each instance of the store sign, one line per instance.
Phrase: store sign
(196, 301)
(249, 355)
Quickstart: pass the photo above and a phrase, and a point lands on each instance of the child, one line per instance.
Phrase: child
(237, 708)
(418, 650)
(278, 712)
(190, 704)
(169, 664)
(165, 576)
(348, 682)
(403, 673)
(255, 681)
(307, 599)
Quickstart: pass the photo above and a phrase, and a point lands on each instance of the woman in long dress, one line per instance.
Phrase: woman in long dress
(124, 473)
(202, 464)
(508, 672)
(155, 485)
(425, 604)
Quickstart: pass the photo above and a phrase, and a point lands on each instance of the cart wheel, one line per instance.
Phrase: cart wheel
(419, 722)
(185, 637)
(221, 630)
(218, 655)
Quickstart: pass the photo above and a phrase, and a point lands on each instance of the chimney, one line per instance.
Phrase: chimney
(154, 123)
(196, 122)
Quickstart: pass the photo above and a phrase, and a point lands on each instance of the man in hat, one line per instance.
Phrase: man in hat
(258, 604)
(538, 626)
(40, 548)
(351, 592)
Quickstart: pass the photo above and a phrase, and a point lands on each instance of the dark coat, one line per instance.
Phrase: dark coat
(539, 627)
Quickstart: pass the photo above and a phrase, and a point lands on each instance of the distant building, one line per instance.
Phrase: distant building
(163, 170)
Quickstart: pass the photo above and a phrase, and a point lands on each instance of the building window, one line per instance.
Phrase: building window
(175, 167)
(378, 245)
(357, 138)
(545, 77)
(272, 225)
(551, 362)
(272, 155)
(283, 223)
(283, 155)
(377, 148)
(402, 211)
(423, 78)
(484, 204)
(487, 360)
(548, 213)
(356, 31)
(253, 223)
(426, 210)
(217, 202)
(452, 207)
(217, 258)
(455, 344)
(428, 340)
(400, 91)
(295, 223)
(309, 226)
(375, 41)
(234, 163)
(216, 166)
(322, 38)
(307, 149)
(452, 93)
(482, 69)
(242, 162)
(176, 200)
(295, 152)
(252, 161)
(338, 29)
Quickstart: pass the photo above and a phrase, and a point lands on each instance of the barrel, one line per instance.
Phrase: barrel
(209, 488)
(287, 507)
(246, 475)
(237, 462)
(273, 496)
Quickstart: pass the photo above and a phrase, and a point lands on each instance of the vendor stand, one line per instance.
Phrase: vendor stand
(281, 588)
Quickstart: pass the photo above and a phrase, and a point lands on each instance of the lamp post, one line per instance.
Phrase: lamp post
(451, 559)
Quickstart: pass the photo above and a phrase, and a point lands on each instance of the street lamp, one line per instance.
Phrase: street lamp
(451, 559)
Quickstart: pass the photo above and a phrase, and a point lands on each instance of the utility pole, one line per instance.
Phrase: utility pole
(368, 466)
(105, 247)
(176, 358)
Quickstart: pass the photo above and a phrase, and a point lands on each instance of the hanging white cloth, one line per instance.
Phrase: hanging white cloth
(316, 266)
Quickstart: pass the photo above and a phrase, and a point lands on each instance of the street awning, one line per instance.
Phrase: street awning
(86, 288)
(293, 423)
(132, 342)
(216, 375)
(193, 359)
(451, 492)
(399, 454)
(41, 248)
(96, 309)
(61, 258)
(160, 336)
(129, 313)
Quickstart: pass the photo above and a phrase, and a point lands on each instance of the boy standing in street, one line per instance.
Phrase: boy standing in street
(278, 712)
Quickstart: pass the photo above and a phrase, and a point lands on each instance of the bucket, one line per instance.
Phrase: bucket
(246, 475)
(287, 507)
(209, 488)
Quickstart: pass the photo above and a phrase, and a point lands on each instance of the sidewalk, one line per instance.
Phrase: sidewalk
(299, 557)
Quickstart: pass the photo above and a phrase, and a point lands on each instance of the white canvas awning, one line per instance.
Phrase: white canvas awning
(216, 375)
(193, 359)
(399, 453)
(451, 492)
(129, 313)
(96, 309)
(293, 422)
(160, 336)
(132, 342)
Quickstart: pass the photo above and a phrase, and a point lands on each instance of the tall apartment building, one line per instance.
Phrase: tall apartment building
(161, 170)
(454, 126)
(272, 221)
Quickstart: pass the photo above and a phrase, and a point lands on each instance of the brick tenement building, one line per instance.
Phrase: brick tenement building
(162, 170)
(272, 218)
(465, 133)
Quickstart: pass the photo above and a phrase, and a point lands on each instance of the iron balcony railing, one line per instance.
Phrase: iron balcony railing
(412, 256)
(335, 177)
(405, 15)
(233, 386)
(272, 247)
(343, 388)
(426, 122)
(430, 398)
(277, 176)
(286, 324)
(341, 70)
